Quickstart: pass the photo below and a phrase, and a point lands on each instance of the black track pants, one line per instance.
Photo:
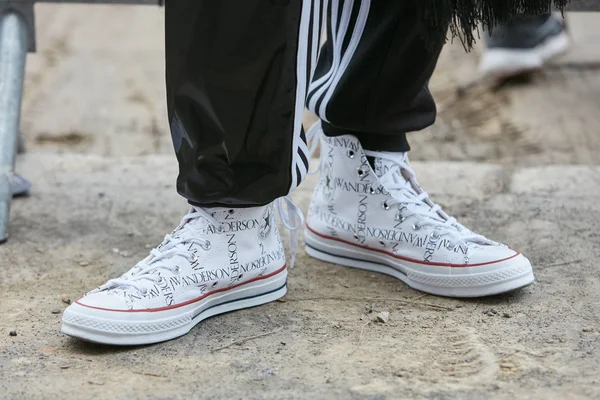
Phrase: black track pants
(240, 72)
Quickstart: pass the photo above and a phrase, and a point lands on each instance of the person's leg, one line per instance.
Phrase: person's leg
(368, 210)
(237, 73)
(371, 78)
(523, 45)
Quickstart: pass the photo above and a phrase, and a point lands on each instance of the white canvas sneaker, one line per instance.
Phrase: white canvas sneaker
(523, 45)
(217, 260)
(379, 219)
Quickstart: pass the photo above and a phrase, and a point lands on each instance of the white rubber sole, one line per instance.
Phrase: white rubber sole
(478, 281)
(506, 62)
(137, 328)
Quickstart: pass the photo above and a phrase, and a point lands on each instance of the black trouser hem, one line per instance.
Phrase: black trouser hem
(224, 205)
(372, 141)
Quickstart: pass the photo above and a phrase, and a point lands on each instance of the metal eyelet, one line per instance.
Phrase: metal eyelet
(400, 219)
(416, 227)
(215, 284)
(385, 205)
(206, 245)
(360, 172)
(350, 153)
(240, 276)
(194, 257)
(371, 190)
(381, 243)
(144, 292)
(161, 281)
(178, 270)
(355, 236)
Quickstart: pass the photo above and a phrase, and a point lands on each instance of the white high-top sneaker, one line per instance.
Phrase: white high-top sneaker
(379, 219)
(217, 260)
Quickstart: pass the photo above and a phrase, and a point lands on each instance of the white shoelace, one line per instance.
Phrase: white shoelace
(313, 138)
(171, 246)
(293, 222)
(403, 193)
(400, 181)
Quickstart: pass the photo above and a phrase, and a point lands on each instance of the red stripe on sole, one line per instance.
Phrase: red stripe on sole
(409, 259)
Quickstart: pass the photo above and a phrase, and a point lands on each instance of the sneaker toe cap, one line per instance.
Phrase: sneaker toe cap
(109, 300)
(496, 254)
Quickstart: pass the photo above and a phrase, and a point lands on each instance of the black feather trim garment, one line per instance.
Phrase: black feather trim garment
(464, 16)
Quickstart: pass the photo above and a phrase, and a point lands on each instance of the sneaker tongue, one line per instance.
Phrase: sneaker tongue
(191, 228)
(199, 225)
(391, 160)
(202, 226)
(380, 165)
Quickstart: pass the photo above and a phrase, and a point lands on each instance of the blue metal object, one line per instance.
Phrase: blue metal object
(17, 37)
(13, 51)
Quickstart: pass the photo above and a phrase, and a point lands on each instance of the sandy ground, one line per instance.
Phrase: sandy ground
(517, 163)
